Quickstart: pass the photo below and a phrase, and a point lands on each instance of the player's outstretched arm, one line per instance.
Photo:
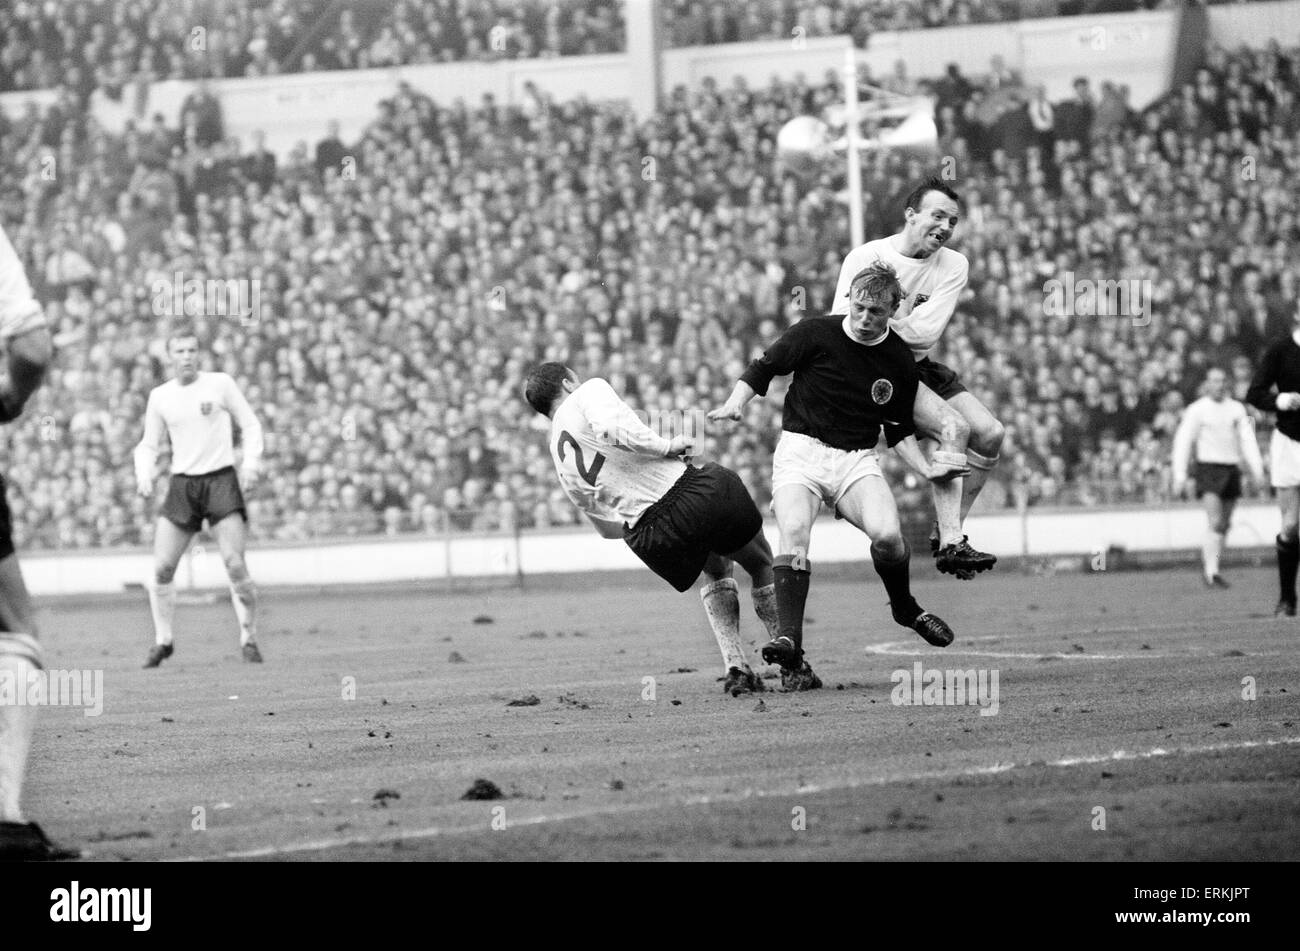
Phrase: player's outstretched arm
(734, 407)
(30, 353)
(1250, 448)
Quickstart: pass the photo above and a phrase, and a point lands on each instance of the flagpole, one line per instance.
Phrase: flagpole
(856, 230)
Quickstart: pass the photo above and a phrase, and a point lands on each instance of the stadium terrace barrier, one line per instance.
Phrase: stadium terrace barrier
(1040, 532)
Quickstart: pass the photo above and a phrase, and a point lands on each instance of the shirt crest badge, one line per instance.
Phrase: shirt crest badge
(205, 408)
(882, 391)
(920, 299)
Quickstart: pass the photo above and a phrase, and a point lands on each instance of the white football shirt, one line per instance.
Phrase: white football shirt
(611, 465)
(19, 310)
(1221, 432)
(931, 288)
(197, 419)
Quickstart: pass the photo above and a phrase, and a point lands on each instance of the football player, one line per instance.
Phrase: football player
(932, 277)
(26, 340)
(195, 412)
(1223, 435)
(853, 375)
(679, 519)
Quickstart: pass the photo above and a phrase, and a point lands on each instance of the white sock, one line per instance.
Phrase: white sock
(722, 605)
(1211, 551)
(243, 595)
(765, 608)
(162, 601)
(17, 721)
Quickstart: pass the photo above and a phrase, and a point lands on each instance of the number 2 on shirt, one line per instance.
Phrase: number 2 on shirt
(588, 475)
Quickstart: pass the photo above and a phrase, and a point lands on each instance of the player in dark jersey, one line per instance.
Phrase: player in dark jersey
(853, 376)
(1276, 388)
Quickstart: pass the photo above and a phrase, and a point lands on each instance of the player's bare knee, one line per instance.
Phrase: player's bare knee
(889, 544)
(717, 567)
(986, 438)
(236, 569)
(163, 574)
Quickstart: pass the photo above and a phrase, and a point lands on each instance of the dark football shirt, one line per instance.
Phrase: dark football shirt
(1280, 367)
(843, 391)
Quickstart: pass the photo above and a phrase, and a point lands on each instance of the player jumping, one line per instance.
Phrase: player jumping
(932, 277)
(1224, 437)
(194, 411)
(852, 375)
(28, 347)
(1280, 368)
(679, 519)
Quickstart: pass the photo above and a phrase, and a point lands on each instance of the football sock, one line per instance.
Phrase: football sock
(947, 509)
(162, 601)
(896, 575)
(20, 656)
(1211, 551)
(980, 468)
(765, 608)
(1288, 558)
(243, 595)
(791, 575)
(722, 606)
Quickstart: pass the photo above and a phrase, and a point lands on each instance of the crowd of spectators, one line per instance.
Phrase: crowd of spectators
(408, 280)
(110, 44)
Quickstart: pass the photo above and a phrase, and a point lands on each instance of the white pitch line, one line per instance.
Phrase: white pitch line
(902, 649)
(724, 798)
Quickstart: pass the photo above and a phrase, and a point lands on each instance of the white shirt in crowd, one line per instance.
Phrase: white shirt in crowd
(931, 288)
(198, 420)
(611, 464)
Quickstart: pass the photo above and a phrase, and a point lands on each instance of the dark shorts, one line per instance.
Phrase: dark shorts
(708, 510)
(6, 523)
(1218, 479)
(939, 378)
(213, 495)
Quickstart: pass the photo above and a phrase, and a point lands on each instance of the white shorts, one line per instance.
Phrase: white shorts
(1284, 461)
(825, 470)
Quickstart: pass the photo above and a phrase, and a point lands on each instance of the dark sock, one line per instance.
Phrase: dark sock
(1288, 558)
(896, 575)
(791, 595)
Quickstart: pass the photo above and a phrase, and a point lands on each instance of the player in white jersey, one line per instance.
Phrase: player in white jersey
(1221, 432)
(680, 520)
(933, 277)
(28, 348)
(194, 411)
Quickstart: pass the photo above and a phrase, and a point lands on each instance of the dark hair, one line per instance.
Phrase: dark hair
(545, 385)
(881, 280)
(917, 195)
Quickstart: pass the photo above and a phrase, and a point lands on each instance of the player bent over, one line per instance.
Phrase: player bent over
(852, 375)
(1279, 368)
(679, 519)
(28, 350)
(932, 277)
(194, 411)
(1224, 437)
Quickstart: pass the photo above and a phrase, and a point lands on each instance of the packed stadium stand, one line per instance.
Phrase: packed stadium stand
(406, 301)
(109, 44)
